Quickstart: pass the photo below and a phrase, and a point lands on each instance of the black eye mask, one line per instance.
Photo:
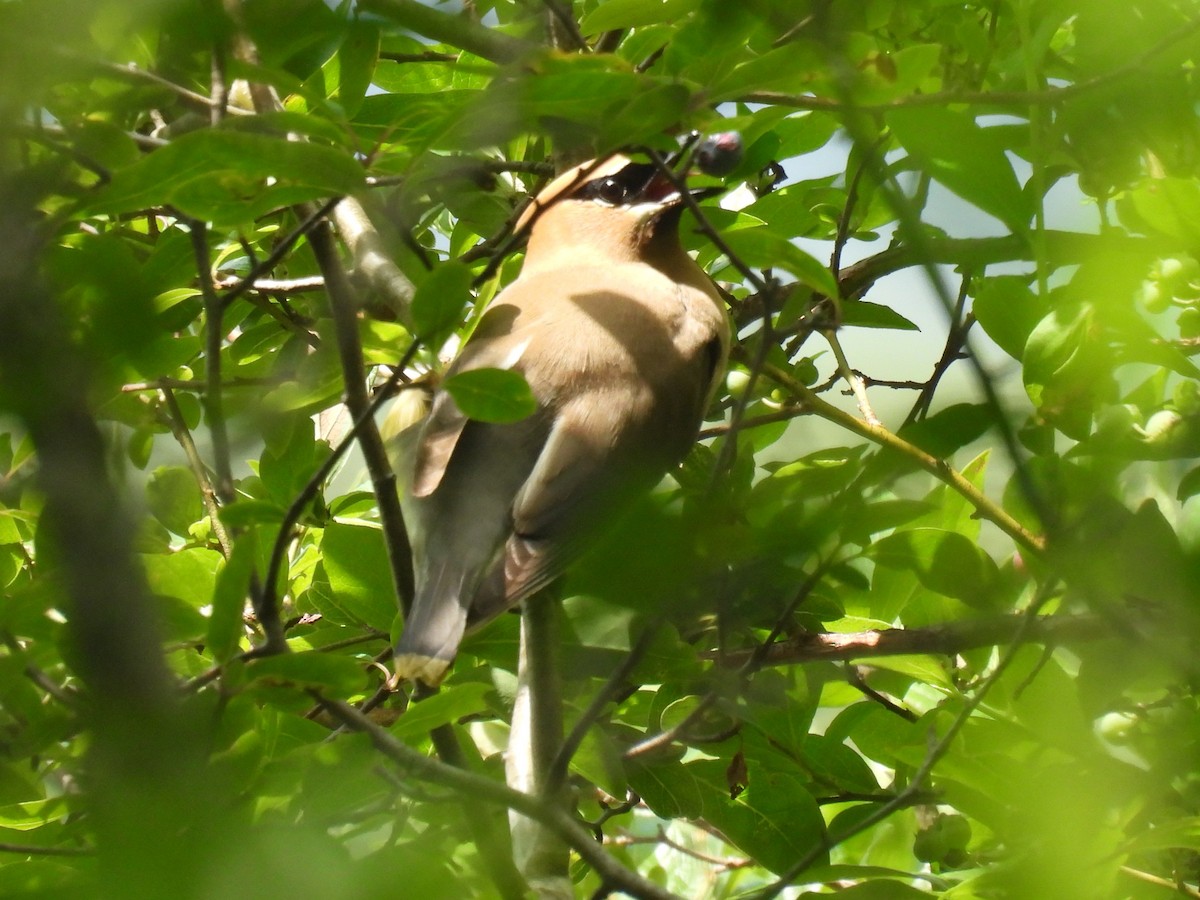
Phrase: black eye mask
(635, 182)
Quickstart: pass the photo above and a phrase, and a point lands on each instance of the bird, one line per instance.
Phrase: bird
(622, 338)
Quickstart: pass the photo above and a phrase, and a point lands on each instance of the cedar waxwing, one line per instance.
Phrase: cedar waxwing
(622, 338)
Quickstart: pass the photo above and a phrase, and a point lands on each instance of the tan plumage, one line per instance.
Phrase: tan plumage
(621, 337)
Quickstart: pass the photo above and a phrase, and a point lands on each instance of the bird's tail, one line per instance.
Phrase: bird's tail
(433, 630)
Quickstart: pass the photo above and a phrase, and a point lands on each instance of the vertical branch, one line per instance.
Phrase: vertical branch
(175, 421)
(143, 765)
(490, 841)
(383, 480)
(534, 740)
(214, 338)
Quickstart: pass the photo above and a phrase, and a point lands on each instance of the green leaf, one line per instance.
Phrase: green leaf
(189, 574)
(438, 302)
(445, 707)
(174, 498)
(230, 176)
(356, 59)
(1008, 311)
(1171, 207)
(245, 513)
(10, 533)
(968, 159)
(882, 890)
(230, 595)
(949, 429)
(763, 249)
(492, 395)
(943, 561)
(775, 820)
(646, 114)
(341, 675)
(671, 791)
(874, 315)
(615, 14)
(356, 562)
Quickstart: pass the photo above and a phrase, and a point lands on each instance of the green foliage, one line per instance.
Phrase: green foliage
(980, 605)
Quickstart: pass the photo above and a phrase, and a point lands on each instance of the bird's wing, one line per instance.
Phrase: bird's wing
(580, 480)
(439, 437)
(493, 345)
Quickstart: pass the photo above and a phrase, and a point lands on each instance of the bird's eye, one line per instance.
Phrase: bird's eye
(611, 191)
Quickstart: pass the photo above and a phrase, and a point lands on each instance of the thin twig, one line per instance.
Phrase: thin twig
(193, 384)
(855, 677)
(747, 666)
(856, 384)
(131, 71)
(949, 639)
(292, 515)
(214, 340)
(939, 468)
(1179, 887)
(726, 428)
(280, 250)
(59, 692)
(178, 426)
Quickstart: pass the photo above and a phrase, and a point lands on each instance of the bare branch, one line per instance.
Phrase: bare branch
(372, 259)
(342, 306)
(950, 639)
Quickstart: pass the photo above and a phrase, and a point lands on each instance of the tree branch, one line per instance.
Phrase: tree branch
(566, 826)
(455, 31)
(939, 468)
(372, 260)
(937, 640)
(383, 479)
(214, 339)
(1062, 248)
(535, 737)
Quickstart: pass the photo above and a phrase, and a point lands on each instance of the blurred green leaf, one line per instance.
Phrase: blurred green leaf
(613, 14)
(944, 561)
(443, 708)
(339, 674)
(230, 176)
(230, 596)
(174, 498)
(874, 315)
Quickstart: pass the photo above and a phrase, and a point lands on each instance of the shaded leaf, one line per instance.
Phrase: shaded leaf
(439, 300)
(339, 674)
(231, 176)
(944, 561)
(968, 159)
